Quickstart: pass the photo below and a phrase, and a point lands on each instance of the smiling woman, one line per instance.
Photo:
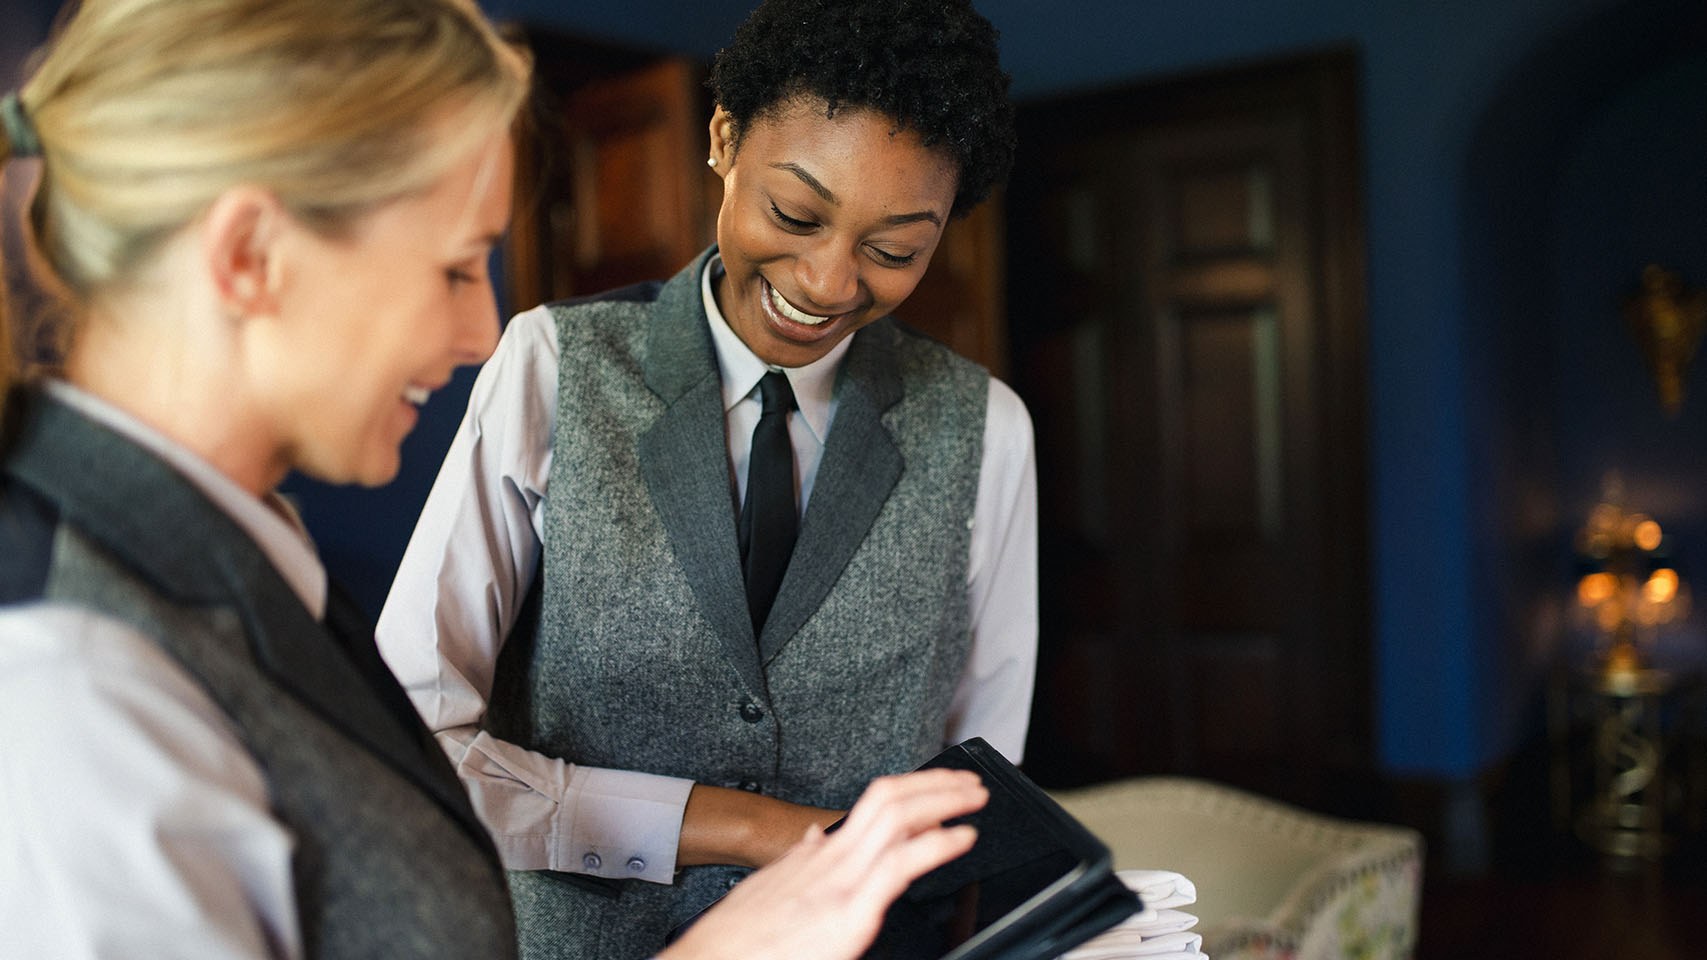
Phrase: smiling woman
(588, 614)
(209, 756)
(415, 304)
(828, 223)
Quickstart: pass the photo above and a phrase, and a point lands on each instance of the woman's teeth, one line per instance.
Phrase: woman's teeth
(416, 395)
(786, 309)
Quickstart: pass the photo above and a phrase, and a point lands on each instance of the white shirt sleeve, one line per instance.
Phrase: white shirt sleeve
(458, 591)
(133, 822)
(993, 699)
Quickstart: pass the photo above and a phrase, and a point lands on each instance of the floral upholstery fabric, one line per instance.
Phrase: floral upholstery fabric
(1274, 882)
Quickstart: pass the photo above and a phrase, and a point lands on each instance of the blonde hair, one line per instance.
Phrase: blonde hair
(147, 110)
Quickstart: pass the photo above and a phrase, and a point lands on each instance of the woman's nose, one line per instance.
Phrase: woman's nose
(477, 331)
(830, 276)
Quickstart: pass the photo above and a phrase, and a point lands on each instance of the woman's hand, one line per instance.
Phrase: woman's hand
(825, 898)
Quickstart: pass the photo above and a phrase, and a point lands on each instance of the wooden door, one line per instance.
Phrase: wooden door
(613, 186)
(1186, 286)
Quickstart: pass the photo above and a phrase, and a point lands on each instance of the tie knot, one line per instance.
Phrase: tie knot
(775, 393)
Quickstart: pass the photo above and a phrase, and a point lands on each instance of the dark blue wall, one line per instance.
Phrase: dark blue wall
(1506, 213)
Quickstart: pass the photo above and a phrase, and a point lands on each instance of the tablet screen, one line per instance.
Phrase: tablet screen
(927, 928)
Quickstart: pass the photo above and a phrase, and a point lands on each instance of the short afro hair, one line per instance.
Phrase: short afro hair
(931, 65)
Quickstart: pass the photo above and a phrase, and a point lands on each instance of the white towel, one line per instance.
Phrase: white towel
(1159, 889)
(1158, 932)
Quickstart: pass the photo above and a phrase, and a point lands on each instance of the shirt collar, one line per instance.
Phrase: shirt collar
(271, 522)
(814, 385)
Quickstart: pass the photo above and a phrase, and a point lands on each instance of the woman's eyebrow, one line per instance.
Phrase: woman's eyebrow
(809, 180)
(894, 220)
(899, 219)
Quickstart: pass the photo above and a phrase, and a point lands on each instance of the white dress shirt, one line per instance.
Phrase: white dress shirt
(133, 822)
(477, 548)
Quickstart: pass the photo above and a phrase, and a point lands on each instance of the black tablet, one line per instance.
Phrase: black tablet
(1036, 883)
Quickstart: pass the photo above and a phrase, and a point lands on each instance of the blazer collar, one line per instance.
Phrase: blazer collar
(685, 465)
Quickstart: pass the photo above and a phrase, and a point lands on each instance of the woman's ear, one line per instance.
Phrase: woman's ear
(242, 252)
(722, 141)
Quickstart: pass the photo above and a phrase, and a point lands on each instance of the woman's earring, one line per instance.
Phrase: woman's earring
(711, 161)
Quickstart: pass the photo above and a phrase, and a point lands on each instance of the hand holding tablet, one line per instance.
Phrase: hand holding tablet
(1016, 878)
(1036, 884)
(826, 897)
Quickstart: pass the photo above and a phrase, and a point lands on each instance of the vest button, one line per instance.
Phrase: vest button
(751, 786)
(752, 712)
(591, 861)
(636, 864)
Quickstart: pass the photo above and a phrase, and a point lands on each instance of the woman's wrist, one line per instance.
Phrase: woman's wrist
(736, 827)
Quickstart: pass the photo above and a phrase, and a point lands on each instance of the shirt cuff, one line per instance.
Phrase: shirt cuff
(622, 825)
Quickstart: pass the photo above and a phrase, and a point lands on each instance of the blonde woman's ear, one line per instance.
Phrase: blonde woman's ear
(241, 249)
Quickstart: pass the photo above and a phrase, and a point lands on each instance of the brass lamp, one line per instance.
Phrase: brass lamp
(1629, 590)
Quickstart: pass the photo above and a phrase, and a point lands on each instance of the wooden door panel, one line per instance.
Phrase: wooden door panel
(1173, 337)
(634, 206)
(1229, 401)
(1235, 705)
(1217, 210)
(612, 186)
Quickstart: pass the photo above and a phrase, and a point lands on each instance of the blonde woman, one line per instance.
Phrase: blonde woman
(272, 219)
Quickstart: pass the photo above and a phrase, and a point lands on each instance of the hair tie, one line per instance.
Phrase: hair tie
(19, 131)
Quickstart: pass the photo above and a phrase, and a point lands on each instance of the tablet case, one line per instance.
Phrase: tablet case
(1035, 885)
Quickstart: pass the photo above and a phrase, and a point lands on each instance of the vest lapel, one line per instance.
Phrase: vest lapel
(860, 468)
(685, 464)
(98, 479)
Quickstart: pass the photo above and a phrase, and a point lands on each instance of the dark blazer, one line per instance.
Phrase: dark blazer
(391, 859)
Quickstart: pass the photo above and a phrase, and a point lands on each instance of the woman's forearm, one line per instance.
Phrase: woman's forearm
(727, 826)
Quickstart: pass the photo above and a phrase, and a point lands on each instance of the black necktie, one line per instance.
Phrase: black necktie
(768, 518)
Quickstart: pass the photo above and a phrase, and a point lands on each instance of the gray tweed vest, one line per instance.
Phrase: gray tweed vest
(644, 656)
(390, 860)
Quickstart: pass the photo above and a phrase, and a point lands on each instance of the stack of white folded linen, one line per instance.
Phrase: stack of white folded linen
(1160, 931)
